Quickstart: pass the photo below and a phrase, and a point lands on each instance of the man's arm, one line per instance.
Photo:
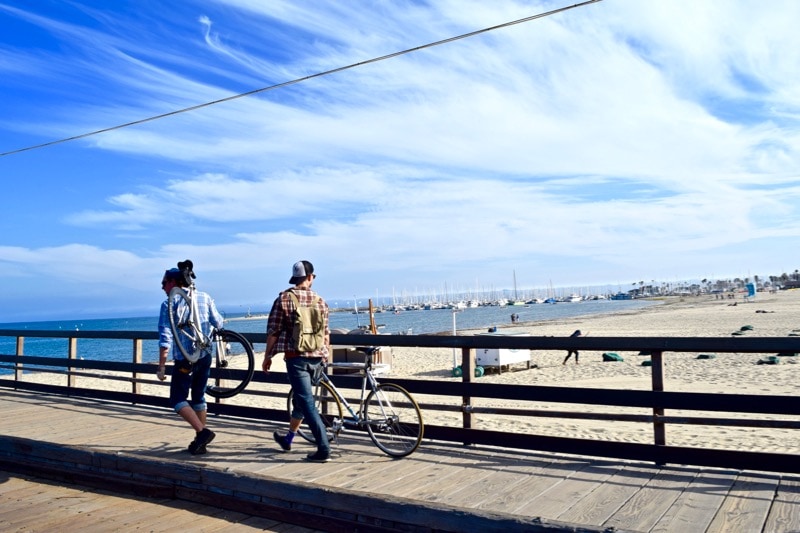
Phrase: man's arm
(163, 353)
(267, 363)
(164, 341)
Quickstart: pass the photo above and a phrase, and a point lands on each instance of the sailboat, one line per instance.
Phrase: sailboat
(516, 300)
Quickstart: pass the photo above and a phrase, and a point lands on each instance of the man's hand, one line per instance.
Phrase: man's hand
(162, 373)
(265, 366)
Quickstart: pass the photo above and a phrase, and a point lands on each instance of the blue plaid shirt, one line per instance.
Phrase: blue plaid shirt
(209, 317)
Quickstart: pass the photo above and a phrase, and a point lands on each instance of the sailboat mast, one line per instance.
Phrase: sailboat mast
(515, 285)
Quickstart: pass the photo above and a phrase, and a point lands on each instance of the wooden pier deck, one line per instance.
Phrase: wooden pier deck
(140, 450)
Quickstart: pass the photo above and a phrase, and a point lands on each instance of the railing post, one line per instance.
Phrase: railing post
(467, 373)
(72, 353)
(18, 365)
(137, 359)
(657, 367)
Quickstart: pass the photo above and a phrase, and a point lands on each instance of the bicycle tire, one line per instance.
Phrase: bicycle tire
(179, 322)
(232, 364)
(394, 420)
(329, 408)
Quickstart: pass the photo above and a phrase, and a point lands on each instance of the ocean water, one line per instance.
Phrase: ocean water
(405, 322)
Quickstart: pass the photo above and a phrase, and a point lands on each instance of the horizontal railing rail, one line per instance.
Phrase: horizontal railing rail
(465, 391)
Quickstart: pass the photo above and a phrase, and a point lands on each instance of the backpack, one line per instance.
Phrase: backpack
(308, 331)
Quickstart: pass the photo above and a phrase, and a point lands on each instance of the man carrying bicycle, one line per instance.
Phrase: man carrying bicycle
(302, 368)
(186, 376)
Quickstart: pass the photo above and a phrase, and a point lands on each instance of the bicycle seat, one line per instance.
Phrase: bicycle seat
(369, 350)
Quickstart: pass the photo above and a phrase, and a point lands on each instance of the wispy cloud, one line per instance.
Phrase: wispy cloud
(585, 147)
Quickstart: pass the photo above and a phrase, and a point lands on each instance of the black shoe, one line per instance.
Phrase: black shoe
(200, 441)
(282, 442)
(319, 457)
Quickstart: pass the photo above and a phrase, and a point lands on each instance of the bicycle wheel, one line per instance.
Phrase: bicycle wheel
(329, 408)
(180, 319)
(232, 364)
(394, 421)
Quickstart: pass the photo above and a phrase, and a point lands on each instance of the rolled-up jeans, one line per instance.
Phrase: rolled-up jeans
(190, 379)
(300, 371)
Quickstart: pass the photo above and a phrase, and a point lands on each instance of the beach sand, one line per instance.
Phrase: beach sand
(770, 315)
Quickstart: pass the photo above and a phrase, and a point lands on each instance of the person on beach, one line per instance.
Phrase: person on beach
(576, 333)
(302, 368)
(187, 376)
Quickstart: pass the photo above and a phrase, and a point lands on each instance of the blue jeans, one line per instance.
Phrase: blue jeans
(300, 370)
(183, 383)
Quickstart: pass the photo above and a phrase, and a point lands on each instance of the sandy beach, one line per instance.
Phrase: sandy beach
(770, 315)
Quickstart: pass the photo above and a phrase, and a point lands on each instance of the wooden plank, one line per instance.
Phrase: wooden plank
(360, 474)
(785, 512)
(72, 508)
(357, 467)
(643, 509)
(492, 479)
(484, 476)
(426, 483)
(531, 487)
(746, 506)
(697, 505)
(562, 495)
(606, 499)
(383, 479)
(468, 487)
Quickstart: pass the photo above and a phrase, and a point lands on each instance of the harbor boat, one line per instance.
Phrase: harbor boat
(516, 300)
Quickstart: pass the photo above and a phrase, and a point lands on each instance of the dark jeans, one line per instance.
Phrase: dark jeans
(184, 382)
(300, 371)
(569, 353)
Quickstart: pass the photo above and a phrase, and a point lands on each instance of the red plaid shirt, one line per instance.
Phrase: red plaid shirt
(281, 322)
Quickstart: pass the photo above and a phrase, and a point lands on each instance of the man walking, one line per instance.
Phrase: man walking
(301, 366)
(576, 333)
(187, 376)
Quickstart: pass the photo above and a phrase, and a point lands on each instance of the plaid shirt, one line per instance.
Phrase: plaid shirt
(281, 322)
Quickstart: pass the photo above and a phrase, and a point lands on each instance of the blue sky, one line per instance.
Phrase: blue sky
(608, 144)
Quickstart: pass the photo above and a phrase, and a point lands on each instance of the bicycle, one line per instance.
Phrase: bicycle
(389, 413)
(228, 346)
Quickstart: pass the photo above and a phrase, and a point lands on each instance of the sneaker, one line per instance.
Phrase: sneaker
(281, 440)
(200, 441)
(192, 446)
(319, 457)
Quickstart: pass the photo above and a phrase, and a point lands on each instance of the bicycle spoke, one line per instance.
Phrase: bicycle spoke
(329, 408)
(394, 420)
(233, 364)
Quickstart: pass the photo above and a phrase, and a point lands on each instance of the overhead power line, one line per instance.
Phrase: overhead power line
(299, 80)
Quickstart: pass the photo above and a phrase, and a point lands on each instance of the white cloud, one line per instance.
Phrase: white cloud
(589, 145)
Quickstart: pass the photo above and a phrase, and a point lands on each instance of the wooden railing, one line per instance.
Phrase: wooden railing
(747, 408)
